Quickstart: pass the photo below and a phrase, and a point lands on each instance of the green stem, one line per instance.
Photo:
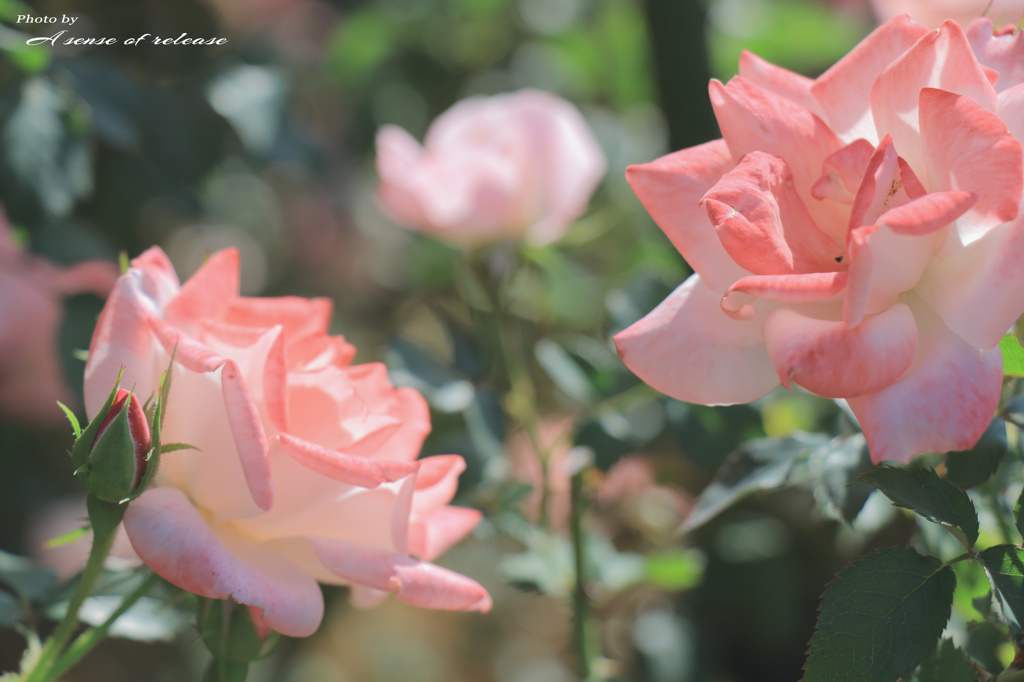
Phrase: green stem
(580, 600)
(90, 638)
(104, 517)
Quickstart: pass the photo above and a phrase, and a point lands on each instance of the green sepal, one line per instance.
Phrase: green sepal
(83, 444)
(67, 538)
(174, 447)
(71, 418)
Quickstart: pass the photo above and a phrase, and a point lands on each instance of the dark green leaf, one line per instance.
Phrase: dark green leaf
(880, 617)
(924, 492)
(984, 640)
(968, 468)
(834, 469)
(1005, 567)
(1018, 518)
(1013, 356)
(946, 664)
(758, 465)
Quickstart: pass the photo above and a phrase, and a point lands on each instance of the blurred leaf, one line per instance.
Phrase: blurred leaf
(984, 642)
(1005, 567)
(834, 470)
(563, 371)
(44, 150)
(969, 468)
(707, 435)
(485, 422)
(413, 366)
(112, 96)
(1013, 355)
(946, 664)
(10, 9)
(252, 99)
(29, 579)
(862, 633)
(362, 42)
(11, 610)
(675, 570)
(758, 465)
(611, 433)
(924, 492)
(149, 619)
(28, 58)
(546, 566)
(69, 537)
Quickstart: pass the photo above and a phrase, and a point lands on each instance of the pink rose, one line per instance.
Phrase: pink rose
(504, 167)
(306, 465)
(932, 13)
(857, 235)
(31, 289)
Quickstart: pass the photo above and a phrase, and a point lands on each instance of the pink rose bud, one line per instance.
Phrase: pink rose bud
(118, 457)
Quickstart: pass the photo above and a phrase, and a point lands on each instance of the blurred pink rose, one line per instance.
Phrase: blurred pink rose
(31, 289)
(932, 13)
(505, 167)
(306, 466)
(857, 235)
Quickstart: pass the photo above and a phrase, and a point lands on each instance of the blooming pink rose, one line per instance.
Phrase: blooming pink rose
(932, 13)
(491, 168)
(31, 289)
(306, 465)
(857, 235)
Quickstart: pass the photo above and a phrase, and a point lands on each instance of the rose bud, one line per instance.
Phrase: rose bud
(117, 461)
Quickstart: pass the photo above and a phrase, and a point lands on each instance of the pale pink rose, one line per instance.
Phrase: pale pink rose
(932, 13)
(857, 235)
(31, 293)
(505, 167)
(306, 466)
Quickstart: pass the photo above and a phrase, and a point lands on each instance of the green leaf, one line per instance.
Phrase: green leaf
(880, 617)
(71, 418)
(1018, 518)
(946, 664)
(68, 538)
(1005, 567)
(985, 641)
(171, 447)
(564, 371)
(11, 609)
(924, 492)
(969, 468)
(676, 570)
(29, 579)
(758, 465)
(834, 469)
(1013, 356)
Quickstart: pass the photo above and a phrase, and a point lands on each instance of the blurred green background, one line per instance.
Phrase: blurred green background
(266, 143)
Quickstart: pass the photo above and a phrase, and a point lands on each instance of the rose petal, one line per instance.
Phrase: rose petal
(208, 292)
(431, 535)
(688, 349)
(171, 537)
(780, 81)
(415, 582)
(830, 359)
(944, 402)
(360, 471)
(844, 91)
(671, 188)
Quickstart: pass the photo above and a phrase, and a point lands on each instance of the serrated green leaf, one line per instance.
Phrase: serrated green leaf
(758, 465)
(1013, 356)
(946, 664)
(924, 492)
(71, 418)
(880, 617)
(968, 468)
(1005, 567)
